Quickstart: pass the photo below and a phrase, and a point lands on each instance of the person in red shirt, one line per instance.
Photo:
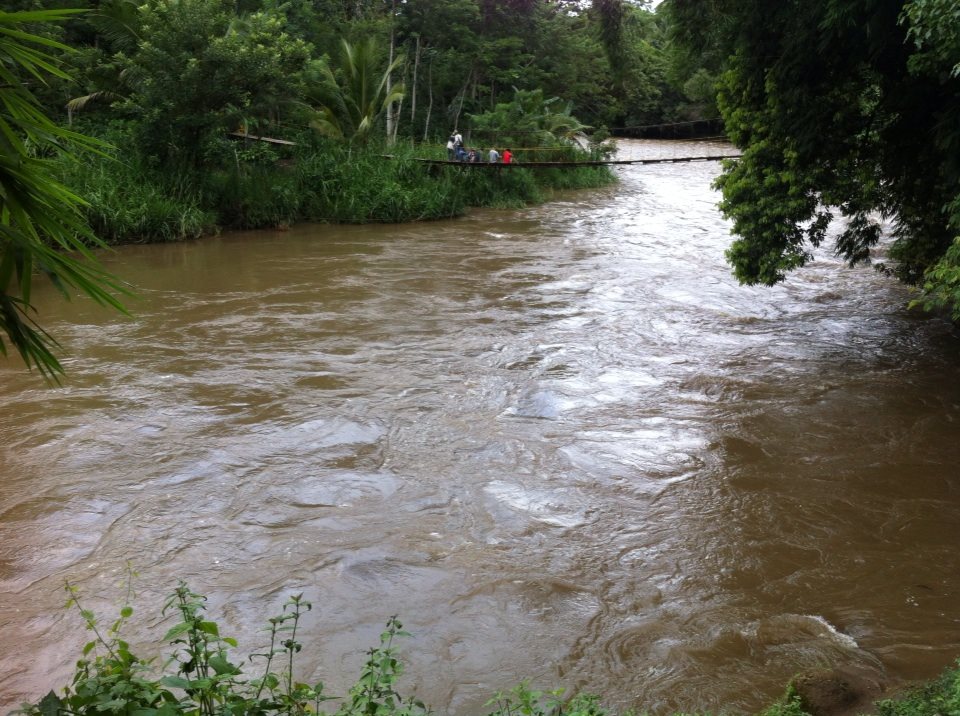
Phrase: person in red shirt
(507, 156)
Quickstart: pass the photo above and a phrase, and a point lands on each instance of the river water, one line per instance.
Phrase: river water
(561, 443)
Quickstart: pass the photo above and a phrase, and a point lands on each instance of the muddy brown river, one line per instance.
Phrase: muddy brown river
(561, 443)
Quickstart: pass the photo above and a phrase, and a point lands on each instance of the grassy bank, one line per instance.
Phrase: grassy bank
(825, 695)
(202, 676)
(246, 184)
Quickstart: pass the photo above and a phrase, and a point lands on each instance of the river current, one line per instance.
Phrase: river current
(561, 443)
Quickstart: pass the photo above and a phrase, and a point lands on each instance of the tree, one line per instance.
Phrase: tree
(544, 128)
(350, 110)
(40, 219)
(200, 70)
(638, 68)
(446, 34)
(844, 109)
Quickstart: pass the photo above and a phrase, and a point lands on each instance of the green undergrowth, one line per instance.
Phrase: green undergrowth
(939, 697)
(128, 203)
(203, 676)
(248, 185)
(787, 705)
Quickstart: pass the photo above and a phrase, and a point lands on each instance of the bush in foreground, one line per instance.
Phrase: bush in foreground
(206, 680)
(202, 678)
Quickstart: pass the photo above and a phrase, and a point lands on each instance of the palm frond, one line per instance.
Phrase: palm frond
(42, 229)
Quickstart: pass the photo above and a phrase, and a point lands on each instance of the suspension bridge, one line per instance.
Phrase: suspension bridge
(695, 141)
(626, 151)
(520, 163)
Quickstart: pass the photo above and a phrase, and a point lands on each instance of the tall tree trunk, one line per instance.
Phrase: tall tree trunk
(463, 96)
(413, 90)
(391, 117)
(612, 14)
(426, 124)
(398, 113)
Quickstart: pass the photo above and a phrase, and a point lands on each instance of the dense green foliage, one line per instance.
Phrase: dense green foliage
(183, 68)
(168, 81)
(844, 109)
(200, 71)
(319, 179)
(351, 111)
(545, 128)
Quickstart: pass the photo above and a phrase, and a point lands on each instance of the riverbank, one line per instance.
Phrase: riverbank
(845, 692)
(247, 184)
(203, 675)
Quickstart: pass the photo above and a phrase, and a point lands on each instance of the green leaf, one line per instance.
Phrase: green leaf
(222, 666)
(177, 630)
(209, 628)
(50, 705)
(176, 682)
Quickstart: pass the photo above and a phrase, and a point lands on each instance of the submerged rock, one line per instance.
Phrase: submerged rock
(837, 692)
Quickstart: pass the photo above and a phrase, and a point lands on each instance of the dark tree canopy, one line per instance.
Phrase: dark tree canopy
(844, 109)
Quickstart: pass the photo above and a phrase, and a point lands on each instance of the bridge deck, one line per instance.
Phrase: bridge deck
(559, 165)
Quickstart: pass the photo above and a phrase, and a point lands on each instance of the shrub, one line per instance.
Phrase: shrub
(110, 679)
(940, 697)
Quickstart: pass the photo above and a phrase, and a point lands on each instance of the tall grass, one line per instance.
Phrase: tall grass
(361, 185)
(256, 186)
(129, 204)
(252, 196)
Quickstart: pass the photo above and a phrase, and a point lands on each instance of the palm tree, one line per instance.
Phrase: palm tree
(542, 121)
(118, 23)
(40, 219)
(350, 110)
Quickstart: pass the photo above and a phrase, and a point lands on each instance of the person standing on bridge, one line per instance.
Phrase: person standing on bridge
(507, 156)
(494, 156)
(451, 149)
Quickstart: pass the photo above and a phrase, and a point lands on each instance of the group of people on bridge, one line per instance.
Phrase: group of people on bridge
(456, 152)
